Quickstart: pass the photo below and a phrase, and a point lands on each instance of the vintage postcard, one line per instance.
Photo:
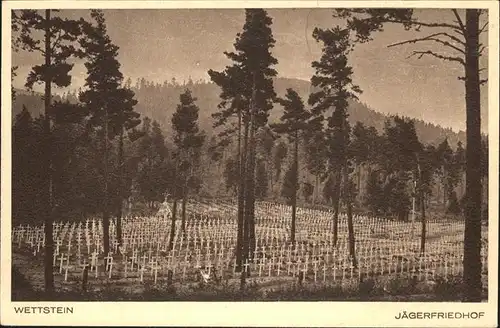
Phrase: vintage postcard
(250, 163)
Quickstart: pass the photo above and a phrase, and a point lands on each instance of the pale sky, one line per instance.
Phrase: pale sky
(160, 44)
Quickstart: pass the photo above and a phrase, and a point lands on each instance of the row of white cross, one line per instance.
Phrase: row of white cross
(208, 245)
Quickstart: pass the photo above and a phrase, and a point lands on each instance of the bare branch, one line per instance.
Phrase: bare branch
(481, 82)
(455, 27)
(445, 43)
(481, 49)
(454, 38)
(459, 20)
(419, 24)
(431, 38)
(420, 54)
(482, 29)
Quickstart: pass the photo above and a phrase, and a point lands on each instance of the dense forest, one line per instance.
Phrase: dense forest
(157, 101)
(156, 104)
(81, 187)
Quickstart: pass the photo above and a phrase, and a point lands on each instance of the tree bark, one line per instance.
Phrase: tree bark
(105, 212)
(350, 225)
(359, 183)
(243, 209)
(316, 188)
(172, 227)
(445, 189)
(295, 186)
(183, 213)
(49, 242)
(269, 169)
(336, 207)
(249, 232)
(421, 196)
(241, 193)
(249, 223)
(423, 236)
(119, 213)
(472, 236)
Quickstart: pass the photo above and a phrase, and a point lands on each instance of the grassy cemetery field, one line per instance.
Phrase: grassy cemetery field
(202, 261)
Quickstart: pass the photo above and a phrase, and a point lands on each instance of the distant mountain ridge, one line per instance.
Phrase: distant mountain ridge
(159, 101)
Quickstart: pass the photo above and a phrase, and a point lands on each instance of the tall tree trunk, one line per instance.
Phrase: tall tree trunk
(445, 189)
(423, 236)
(350, 226)
(119, 213)
(269, 169)
(316, 189)
(336, 207)
(438, 193)
(295, 186)
(251, 172)
(421, 196)
(358, 183)
(472, 237)
(183, 212)
(241, 192)
(49, 242)
(172, 227)
(105, 212)
(249, 224)
(243, 209)
(250, 194)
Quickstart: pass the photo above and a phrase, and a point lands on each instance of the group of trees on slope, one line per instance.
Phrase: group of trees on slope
(83, 157)
(99, 137)
(158, 101)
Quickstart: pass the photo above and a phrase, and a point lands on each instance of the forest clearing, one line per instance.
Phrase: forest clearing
(204, 254)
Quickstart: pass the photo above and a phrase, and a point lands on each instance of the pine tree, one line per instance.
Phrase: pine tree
(362, 149)
(403, 153)
(265, 142)
(261, 180)
(288, 188)
(56, 50)
(294, 123)
(68, 135)
(445, 155)
(231, 175)
(247, 93)
(152, 177)
(461, 36)
(459, 162)
(280, 153)
(315, 154)
(188, 141)
(26, 174)
(110, 105)
(127, 120)
(333, 79)
(307, 191)
(375, 199)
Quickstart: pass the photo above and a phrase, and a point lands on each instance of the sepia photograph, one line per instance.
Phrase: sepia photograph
(250, 153)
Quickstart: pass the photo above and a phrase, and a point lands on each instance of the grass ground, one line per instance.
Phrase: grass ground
(384, 289)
